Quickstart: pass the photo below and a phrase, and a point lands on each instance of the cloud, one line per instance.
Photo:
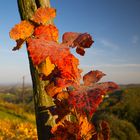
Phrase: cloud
(120, 65)
(133, 65)
(120, 73)
(108, 43)
(135, 39)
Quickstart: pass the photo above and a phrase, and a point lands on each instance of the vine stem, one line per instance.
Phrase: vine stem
(41, 100)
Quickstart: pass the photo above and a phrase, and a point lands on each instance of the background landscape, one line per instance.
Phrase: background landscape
(121, 109)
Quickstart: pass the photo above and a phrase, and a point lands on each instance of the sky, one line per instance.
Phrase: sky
(113, 24)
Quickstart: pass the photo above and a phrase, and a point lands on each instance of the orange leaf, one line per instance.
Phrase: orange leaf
(49, 32)
(86, 128)
(69, 68)
(66, 131)
(62, 95)
(22, 30)
(43, 15)
(52, 90)
(46, 67)
(39, 49)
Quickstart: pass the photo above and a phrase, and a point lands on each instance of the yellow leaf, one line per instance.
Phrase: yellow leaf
(46, 67)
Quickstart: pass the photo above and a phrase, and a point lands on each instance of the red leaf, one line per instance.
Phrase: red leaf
(106, 86)
(105, 130)
(69, 38)
(85, 100)
(92, 77)
(79, 40)
(59, 55)
(80, 51)
(18, 45)
(39, 49)
(83, 40)
(61, 109)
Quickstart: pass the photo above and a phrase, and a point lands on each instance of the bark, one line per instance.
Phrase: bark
(41, 100)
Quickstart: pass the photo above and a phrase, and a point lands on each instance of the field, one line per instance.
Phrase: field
(16, 123)
(121, 110)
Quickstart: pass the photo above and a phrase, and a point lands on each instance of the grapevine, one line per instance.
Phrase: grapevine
(74, 104)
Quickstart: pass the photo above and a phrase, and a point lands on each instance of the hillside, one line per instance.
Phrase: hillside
(17, 119)
(121, 110)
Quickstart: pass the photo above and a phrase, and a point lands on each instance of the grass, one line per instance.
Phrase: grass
(6, 115)
(13, 111)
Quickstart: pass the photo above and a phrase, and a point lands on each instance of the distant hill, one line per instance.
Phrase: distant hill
(122, 111)
(129, 85)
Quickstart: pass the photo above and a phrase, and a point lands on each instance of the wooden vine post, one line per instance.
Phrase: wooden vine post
(41, 100)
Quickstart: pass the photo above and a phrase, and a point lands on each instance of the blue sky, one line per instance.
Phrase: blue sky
(114, 25)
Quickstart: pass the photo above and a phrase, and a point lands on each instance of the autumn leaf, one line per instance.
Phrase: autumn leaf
(87, 99)
(69, 68)
(64, 82)
(43, 15)
(19, 44)
(92, 77)
(66, 131)
(49, 32)
(59, 55)
(107, 86)
(52, 90)
(69, 37)
(40, 49)
(22, 30)
(86, 128)
(78, 40)
(103, 132)
(46, 67)
(84, 40)
(81, 130)
(80, 51)
(62, 95)
(61, 109)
